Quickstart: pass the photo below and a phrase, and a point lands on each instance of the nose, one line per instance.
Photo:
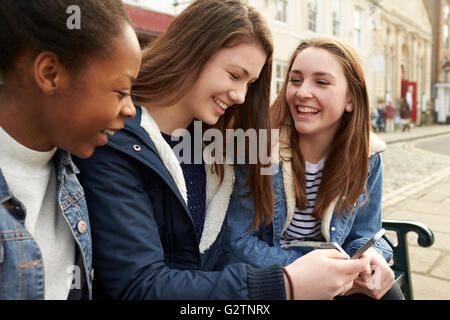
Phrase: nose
(304, 91)
(128, 110)
(237, 95)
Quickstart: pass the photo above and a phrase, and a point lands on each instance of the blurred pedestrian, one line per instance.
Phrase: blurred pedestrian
(389, 114)
(404, 115)
(380, 121)
(374, 119)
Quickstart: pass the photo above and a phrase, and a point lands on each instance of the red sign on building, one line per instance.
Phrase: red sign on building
(148, 24)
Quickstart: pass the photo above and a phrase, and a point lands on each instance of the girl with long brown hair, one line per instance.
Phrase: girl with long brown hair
(158, 222)
(329, 185)
(157, 207)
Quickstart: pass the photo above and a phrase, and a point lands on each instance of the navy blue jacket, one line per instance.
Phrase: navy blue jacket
(144, 241)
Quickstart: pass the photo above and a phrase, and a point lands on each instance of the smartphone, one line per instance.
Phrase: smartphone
(368, 244)
(333, 245)
(319, 245)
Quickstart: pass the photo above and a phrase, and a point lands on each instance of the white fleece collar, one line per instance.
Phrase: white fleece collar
(217, 195)
(165, 152)
(376, 145)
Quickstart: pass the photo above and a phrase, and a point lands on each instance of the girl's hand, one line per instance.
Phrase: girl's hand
(378, 281)
(324, 274)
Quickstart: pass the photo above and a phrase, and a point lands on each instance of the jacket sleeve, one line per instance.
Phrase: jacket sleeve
(128, 256)
(252, 246)
(368, 221)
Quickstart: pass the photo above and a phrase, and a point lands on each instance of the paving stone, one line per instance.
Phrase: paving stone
(442, 269)
(437, 196)
(426, 207)
(446, 202)
(406, 168)
(436, 223)
(422, 259)
(429, 288)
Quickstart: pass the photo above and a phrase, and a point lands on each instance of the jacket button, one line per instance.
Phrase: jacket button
(82, 226)
(137, 147)
(333, 228)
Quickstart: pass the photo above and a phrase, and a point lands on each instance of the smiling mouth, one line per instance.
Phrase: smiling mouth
(221, 104)
(307, 110)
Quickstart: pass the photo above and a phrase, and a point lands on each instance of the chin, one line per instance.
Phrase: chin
(83, 154)
(210, 120)
(301, 129)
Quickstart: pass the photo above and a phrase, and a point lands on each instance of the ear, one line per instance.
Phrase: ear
(49, 73)
(349, 106)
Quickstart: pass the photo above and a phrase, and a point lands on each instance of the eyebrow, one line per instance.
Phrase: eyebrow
(129, 76)
(242, 68)
(318, 73)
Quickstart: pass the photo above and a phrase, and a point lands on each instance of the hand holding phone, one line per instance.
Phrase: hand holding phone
(333, 245)
(368, 244)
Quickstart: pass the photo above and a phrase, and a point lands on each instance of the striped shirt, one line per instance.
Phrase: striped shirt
(303, 226)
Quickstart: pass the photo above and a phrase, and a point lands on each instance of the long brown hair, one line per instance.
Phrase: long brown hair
(346, 167)
(173, 62)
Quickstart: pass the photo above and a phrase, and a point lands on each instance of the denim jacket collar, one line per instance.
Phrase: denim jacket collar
(5, 194)
(376, 145)
(62, 160)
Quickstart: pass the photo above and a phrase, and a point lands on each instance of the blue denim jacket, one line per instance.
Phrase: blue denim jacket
(261, 247)
(21, 268)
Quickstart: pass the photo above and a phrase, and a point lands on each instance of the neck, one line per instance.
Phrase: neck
(170, 118)
(314, 147)
(20, 119)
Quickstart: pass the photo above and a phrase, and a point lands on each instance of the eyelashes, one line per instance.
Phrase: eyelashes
(123, 94)
(300, 81)
(236, 77)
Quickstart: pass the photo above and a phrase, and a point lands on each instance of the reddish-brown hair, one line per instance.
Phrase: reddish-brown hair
(173, 62)
(345, 170)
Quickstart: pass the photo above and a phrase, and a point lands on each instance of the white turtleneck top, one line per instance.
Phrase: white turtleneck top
(31, 178)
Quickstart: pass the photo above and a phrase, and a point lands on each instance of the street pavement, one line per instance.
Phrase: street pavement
(416, 186)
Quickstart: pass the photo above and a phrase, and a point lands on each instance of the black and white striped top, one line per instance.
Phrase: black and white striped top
(303, 226)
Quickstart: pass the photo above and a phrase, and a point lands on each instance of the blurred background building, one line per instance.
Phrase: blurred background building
(439, 13)
(404, 44)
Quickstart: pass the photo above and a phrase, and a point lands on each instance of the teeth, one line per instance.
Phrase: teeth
(307, 110)
(109, 132)
(221, 104)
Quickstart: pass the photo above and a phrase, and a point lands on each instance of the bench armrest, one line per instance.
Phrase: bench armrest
(402, 227)
(401, 265)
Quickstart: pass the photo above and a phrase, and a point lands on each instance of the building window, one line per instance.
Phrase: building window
(312, 15)
(337, 18)
(281, 13)
(357, 27)
(446, 12)
(280, 75)
(445, 35)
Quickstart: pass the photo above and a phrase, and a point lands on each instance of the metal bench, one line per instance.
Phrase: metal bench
(401, 265)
